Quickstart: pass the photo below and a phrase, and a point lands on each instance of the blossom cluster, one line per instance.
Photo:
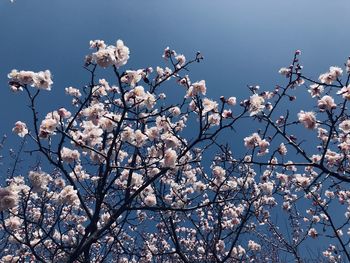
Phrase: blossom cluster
(130, 179)
(39, 80)
(106, 56)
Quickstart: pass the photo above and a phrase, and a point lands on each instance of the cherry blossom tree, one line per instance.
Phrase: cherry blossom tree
(125, 175)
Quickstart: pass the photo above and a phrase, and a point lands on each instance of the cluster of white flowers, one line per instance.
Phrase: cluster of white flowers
(106, 56)
(39, 180)
(282, 149)
(8, 199)
(138, 96)
(10, 258)
(232, 101)
(73, 92)
(333, 158)
(252, 141)
(40, 80)
(330, 76)
(168, 53)
(163, 74)
(68, 196)
(256, 104)
(252, 245)
(196, 88)
(326, 103)
(94, 112)
(332, 254)
(97, 43)
(20, 129)
(301, 180)
(132, 77)
(170, 158)
(150, 200)
(345, 126)
(238, 252)
(316, 90)
(69, 155)
(266, 187)
(285, 71)
(209, 105)
(181, 60)
(91, 134)
(13, 222)
(219, 175)
(138, 138)
(255, 141)
(308, 119)
(345, 92)
(121, 141)
(312, 232)
(49, 124)
(175, 111)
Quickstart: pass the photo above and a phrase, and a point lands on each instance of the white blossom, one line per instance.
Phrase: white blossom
(254, 246)
(38, 180)
(256, 104)
(8, 199)
(20, 129)
(308, 119)
(170, 158)
(150, 200)
(69, 155)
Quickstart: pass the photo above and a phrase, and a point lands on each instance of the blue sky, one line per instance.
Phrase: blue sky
(243, 41)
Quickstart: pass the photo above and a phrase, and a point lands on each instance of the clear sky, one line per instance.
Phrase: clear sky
(243, 41)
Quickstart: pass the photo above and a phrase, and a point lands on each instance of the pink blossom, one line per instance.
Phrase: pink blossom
(181, 60)
(117, 55)
(315, 90)
(326, 103)
(42, 80)
(252, 141)
(209, 105)
(285, 71)
(232, 101)
(8, 199)
(256, 104)
(308, 119)
(345, 92)
(20, 129)
(97, 44)
(345, 126)
(175, 111)
(150, 200)
(170, 158)
(331, 76)
(301, 180)
(197, 88)
(214, 119)
(282, 149)
(312, 233)
(64, 113)
(253, 246)
(132, 77)
(39, 180)
(69, 195)
(69, 155)
(263, 145)
(73, 92)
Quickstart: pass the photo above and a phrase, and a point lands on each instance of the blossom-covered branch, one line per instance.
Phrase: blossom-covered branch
(126, 176)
